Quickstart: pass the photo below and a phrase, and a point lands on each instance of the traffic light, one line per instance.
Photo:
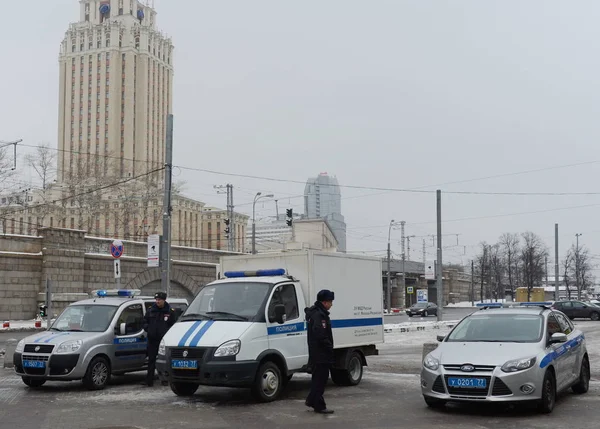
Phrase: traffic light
(227, 226)
(43, 310)
(290, 217)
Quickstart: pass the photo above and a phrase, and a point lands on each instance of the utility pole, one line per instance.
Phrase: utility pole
(402, 223)
(388, 289)
(424, 255)
(408, 237)
(556, 262)
(472, 283)
(166, 237)
(577, 267)
(440, 293)
(276, 210)
(230, 224)
(48, 302)
(4, 144)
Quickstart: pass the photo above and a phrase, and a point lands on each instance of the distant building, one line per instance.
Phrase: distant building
(213, 229)
(322, 200)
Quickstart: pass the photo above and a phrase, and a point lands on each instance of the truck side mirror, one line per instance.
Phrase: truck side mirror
(280, 313)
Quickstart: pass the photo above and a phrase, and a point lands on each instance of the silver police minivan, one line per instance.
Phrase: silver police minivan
(91, 340)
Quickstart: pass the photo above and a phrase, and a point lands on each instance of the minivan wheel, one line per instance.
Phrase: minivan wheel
(546, 404)
(98, 374)
(33, 382)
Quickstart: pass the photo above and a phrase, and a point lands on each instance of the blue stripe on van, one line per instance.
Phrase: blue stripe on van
(189, 333)
(200, 334)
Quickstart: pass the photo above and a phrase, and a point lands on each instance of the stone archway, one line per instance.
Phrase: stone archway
(149, 282)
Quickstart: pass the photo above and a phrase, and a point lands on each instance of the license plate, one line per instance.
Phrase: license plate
(184, 364)
(34, 364)
(473, 383)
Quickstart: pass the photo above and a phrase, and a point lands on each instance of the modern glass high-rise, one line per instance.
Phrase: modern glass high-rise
(322, 200)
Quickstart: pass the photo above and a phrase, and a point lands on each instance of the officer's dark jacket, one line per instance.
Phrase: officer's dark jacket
(157, 321)
(320, 337)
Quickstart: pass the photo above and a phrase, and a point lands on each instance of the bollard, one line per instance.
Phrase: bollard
(11, 345)
(38, 323)
(6, 324)
(428, 348)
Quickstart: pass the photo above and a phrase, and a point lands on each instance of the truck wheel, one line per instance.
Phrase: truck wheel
(353, 373)
(33, 382)
(98, 374)
(268, 382)
(184, 389)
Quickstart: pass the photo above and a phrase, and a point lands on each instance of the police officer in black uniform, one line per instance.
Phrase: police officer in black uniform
(320, 349)
(158, 320)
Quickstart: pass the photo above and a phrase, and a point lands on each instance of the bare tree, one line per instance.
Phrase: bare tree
(497, 271)
(533, 268)
(43, 162)
(567, 266)
(482, 268)
(6, 166)
(581, 269)
(510, 249)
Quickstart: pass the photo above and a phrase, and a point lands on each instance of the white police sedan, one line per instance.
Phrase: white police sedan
(507, 353)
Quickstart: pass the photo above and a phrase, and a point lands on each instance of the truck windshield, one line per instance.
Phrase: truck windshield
(228, 301)
(85, 318)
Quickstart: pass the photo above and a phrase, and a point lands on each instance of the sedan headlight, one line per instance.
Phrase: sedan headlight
(230, 348)
(518, 364)
(69, 346)
(20, 347)
(431, 363)
(162, 348)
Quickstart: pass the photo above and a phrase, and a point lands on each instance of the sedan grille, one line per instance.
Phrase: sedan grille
(500, 388)
(478, 368)
(468, 391)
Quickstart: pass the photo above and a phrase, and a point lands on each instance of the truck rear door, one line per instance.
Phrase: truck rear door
(289, 338)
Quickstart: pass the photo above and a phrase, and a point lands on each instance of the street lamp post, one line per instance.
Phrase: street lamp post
(257, 197)
(577, 267)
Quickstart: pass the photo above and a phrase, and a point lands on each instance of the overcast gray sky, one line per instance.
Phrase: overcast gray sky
(398, 94)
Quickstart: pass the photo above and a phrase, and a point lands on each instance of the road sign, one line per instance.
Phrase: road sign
(409, 289)
(153, 250)
(430, 270)
(117, 249)
(422, 295)
(117, 269)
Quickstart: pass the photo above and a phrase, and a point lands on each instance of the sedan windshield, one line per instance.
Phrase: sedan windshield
(85, 318)
(420, 305)
(228, 301)
(501, 328)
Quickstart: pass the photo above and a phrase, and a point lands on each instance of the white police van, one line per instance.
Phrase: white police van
(248, 329)
(90, 340)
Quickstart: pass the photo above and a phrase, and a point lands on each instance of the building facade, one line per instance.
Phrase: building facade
(322, 200)
(115, 89)
(213, 230)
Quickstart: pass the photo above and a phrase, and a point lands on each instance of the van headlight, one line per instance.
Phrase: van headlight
(518, 364)
(230, 348)
(69, 346)
(20, 346)
(162, 348)
(431, 363)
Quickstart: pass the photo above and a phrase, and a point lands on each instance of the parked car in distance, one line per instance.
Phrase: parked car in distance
(574, 309)
(422, 309)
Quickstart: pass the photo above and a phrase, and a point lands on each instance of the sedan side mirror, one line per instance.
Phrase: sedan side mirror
(441, 338)
(558, 337)
(280, 313)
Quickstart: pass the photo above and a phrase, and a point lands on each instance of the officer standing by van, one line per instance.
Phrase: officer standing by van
(158, 320)
(320, 349)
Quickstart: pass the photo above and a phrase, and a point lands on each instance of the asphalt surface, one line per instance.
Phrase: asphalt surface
(388, 397)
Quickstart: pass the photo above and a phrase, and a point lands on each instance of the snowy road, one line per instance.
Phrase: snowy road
(388, 397)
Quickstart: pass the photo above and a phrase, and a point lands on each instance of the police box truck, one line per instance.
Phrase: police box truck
(248, 329)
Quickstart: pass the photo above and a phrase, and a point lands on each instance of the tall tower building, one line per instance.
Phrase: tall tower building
(322, 200)
(116, 80)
